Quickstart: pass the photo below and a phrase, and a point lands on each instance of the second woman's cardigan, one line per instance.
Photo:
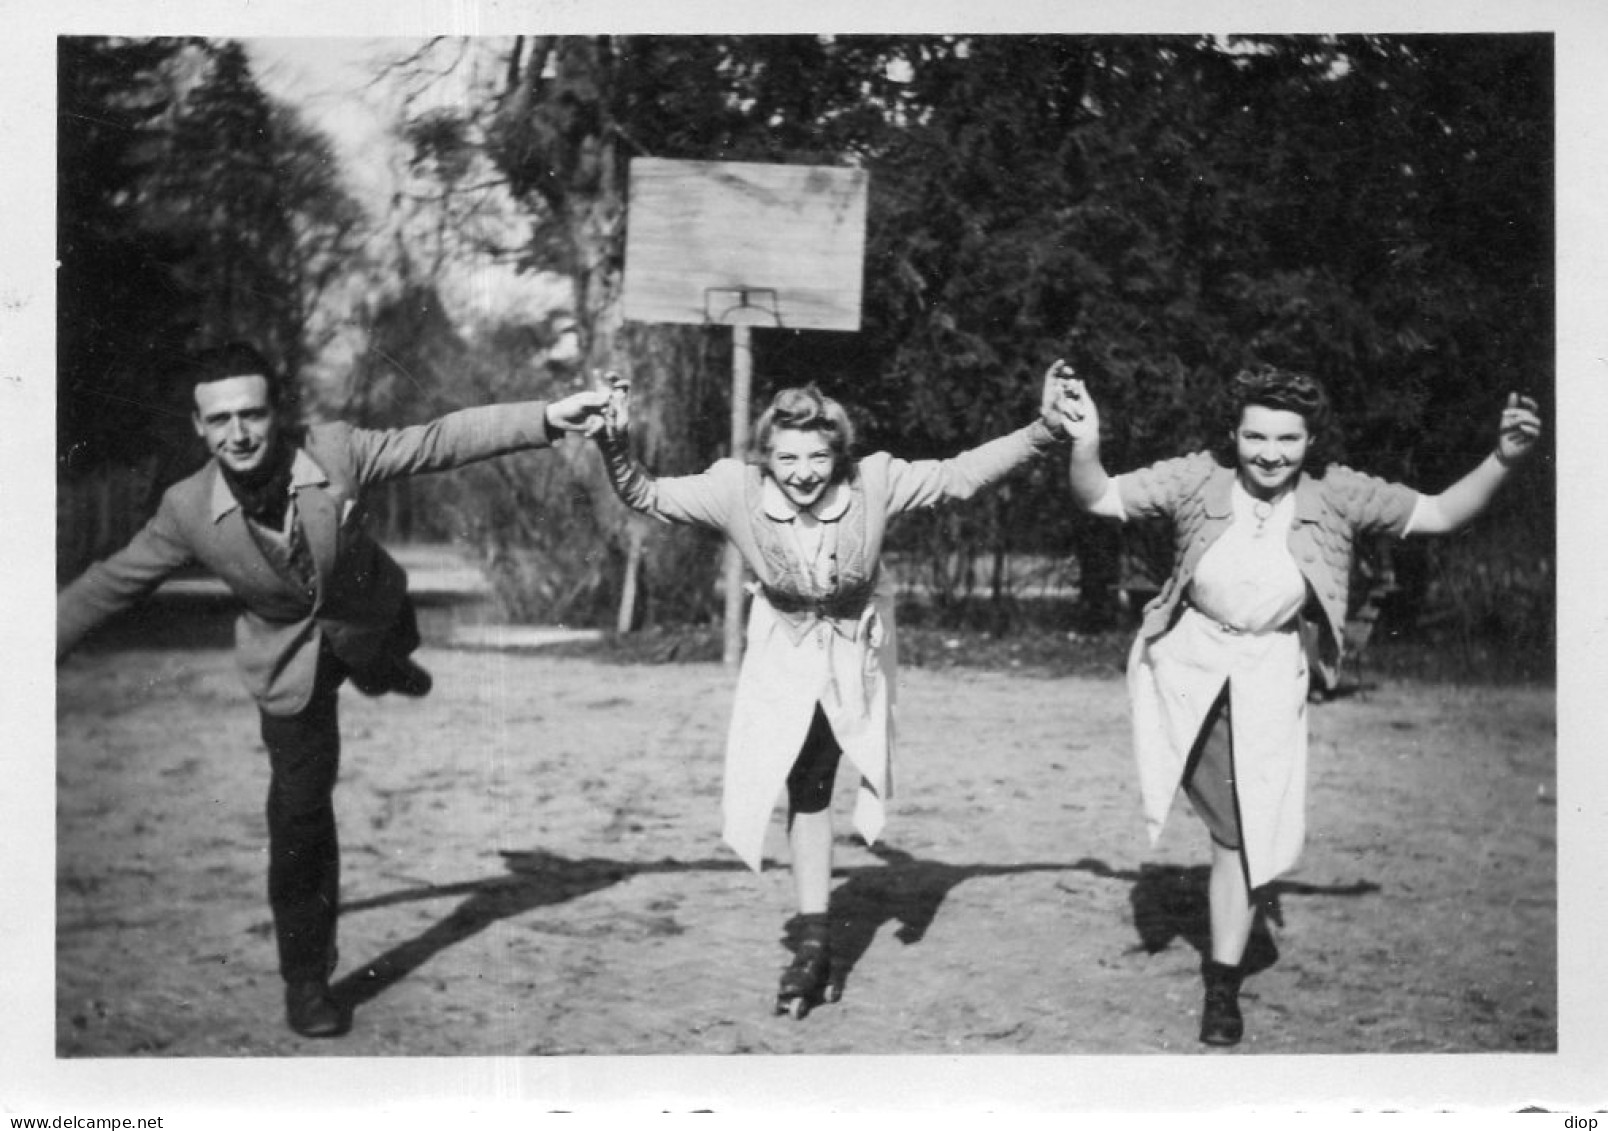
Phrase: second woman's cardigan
(1331, 510)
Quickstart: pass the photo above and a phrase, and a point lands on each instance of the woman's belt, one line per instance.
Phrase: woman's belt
(837, 606)
(850, 615)
(1235, 630)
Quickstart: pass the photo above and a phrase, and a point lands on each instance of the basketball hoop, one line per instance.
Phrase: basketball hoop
(744, 311)
(723, 243)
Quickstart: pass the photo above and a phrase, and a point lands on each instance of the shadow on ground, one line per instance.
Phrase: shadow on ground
(903, 888)
(1169, 904)
(536, 879)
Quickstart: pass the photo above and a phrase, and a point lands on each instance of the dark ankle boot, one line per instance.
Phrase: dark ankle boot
(1220, 1020)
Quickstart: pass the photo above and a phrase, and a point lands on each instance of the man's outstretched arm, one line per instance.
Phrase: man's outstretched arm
(471, 435)
(119, 582)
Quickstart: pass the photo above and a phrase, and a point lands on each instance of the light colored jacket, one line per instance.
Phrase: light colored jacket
(728, 498)
(1331, 512)
(806, 644)
(359, 587)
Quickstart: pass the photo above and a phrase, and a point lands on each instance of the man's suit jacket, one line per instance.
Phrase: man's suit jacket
(360, 588)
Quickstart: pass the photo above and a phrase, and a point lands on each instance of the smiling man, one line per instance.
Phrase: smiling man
(276, 514)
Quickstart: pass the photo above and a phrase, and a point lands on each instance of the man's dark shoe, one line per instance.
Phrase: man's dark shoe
(311, 1011)
(398, 674)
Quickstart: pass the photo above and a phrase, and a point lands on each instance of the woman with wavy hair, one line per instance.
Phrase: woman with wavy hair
(1263, 529)
(816, 682)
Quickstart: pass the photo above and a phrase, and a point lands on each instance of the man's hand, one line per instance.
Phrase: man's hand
(578, 411)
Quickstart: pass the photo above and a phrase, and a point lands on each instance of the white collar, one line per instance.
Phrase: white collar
(832, 505)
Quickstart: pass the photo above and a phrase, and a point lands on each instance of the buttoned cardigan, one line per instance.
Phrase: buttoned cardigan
(1331, 510)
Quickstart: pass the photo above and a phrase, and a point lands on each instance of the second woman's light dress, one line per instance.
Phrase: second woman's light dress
(1249, 593)
(1239, 629)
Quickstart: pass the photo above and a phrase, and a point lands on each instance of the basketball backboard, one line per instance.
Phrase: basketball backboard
(728, 242)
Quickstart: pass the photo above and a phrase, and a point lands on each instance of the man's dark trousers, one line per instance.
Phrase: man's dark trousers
(304, 755)
(304, 860)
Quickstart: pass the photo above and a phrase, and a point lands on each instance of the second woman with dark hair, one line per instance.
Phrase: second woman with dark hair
(816, 681)
(1263, 534)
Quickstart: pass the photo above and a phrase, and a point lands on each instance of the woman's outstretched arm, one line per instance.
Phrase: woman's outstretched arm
(1462, 502)
(918, 484)
(1080, 420)
(706, 499)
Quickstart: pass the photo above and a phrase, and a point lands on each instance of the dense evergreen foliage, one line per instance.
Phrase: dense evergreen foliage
(193, 211)
(1160, 210)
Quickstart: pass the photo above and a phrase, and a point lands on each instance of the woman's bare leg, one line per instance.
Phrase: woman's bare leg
(1231, 912)
(809, 836)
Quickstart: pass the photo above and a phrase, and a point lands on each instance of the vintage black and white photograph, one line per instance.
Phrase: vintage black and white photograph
(975, 552)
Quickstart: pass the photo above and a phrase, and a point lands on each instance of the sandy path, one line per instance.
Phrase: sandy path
(532, 866)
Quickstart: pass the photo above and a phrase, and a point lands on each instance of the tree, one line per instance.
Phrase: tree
(568, 114)
(1161, 210)
(326, 248)
(120, 313)
(192, 211)
(1168, 210)
(222, 186)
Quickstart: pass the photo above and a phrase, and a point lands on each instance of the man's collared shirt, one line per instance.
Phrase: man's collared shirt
(286, 549)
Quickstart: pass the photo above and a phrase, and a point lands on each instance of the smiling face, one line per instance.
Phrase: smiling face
(802, 463)
(1270, 446)
(235, 417)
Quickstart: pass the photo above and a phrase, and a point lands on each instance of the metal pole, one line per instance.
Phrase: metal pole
(742, 371)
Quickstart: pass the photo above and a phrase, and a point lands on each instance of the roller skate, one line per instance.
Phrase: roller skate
(808, 981)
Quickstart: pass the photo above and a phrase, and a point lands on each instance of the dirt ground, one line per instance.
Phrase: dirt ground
(532, 868)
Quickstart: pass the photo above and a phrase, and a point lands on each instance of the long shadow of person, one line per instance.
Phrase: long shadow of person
(1170, 902)
(904, 888)
(535, 879)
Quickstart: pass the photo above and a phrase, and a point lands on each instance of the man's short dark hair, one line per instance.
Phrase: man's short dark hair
(236, 359)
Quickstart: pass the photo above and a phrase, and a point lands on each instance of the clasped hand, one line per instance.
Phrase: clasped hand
(1066, 404)
(593, 410)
